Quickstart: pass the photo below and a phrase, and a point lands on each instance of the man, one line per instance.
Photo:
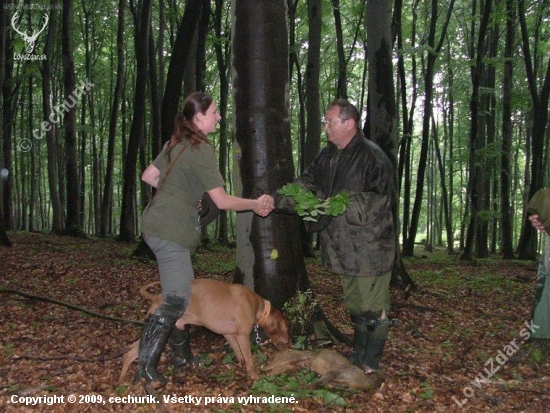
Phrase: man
(360, 244)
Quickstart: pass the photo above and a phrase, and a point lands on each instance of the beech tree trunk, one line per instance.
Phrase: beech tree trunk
(4, 240)
(107, 199)
(269, 254)
(72, 219)
(137, 129)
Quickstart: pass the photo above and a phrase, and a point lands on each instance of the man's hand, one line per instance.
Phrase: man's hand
(266, 205)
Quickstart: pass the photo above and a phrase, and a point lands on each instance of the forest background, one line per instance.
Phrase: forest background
(89, 93)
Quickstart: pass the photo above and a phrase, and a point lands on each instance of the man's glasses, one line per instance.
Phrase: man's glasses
(332, 122)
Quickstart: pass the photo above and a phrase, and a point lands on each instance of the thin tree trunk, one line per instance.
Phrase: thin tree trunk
(107, 199)
(313, 107)
(72, 222)
(473, 187)
(180, 52)
(341, 88)
(127, 231)
(527, 242)
(507, 249)
(53, 158)
(4, 240)
(222, 57)
(433, 53)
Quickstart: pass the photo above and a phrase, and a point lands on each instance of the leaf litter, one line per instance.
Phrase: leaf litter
(442, 353)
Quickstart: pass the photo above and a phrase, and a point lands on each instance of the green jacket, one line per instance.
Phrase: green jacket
(172, 214)
(362, 241)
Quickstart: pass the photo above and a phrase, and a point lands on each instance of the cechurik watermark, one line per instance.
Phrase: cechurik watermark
(85, 86)
(501, 358)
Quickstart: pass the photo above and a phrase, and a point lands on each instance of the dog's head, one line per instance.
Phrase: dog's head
(276, 327)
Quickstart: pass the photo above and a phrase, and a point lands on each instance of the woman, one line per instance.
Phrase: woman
(182, 172)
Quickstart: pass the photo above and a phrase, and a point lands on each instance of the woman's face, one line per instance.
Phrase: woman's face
(208, 122)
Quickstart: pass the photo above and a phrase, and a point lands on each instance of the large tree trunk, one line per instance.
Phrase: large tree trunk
(137, 129)
(268, 249)
(72, 219)
(382, 105)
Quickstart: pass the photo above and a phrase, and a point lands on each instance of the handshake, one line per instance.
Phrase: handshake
(266, 204)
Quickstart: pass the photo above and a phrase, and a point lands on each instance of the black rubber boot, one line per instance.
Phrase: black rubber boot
(180, 341)
(359, 339)
(369, 339)
(376, 340)
(153, 339)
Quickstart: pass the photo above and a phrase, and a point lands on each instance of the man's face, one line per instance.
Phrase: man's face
(339, 131)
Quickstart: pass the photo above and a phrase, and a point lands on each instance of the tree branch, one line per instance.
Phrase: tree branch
(71, 306)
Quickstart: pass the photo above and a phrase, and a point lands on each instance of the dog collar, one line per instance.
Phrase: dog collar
(267, 309)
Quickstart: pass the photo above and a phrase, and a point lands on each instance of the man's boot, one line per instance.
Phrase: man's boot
(376, 340)
(153, 339)
(370, 335)
(359, 338)
(180, 341)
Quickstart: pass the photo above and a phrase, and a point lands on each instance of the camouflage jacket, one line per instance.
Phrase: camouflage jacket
(362, 241)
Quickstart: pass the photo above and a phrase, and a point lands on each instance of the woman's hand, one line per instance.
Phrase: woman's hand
(536, 223)
(267, 204)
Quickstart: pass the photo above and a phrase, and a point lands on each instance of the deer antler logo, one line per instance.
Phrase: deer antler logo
(30, 40)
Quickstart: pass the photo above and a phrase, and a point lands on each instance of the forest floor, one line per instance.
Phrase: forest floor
(456, 344)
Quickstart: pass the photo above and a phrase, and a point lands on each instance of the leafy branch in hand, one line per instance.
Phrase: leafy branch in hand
(309, 207)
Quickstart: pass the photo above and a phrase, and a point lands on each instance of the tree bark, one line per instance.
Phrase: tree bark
(313, 107)
(274, 260)
(341, 89)
(433, 53)
(174, 78)
(128, 214)
(507, 249)
(474, 195)
(107, 199)
(72, 219)
(382, 106)
(4, 240)
(540, 100)
(53, 158)
(222, 50)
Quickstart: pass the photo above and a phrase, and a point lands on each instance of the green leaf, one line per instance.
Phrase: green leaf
(309, 207)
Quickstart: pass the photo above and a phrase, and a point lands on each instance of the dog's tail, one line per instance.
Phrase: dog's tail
(146, 294)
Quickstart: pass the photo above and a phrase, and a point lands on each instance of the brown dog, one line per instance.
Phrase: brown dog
(228, 309)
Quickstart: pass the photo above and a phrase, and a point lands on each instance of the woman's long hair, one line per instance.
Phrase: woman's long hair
(184, 127)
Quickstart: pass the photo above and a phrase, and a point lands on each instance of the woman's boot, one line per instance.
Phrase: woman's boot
(180, 341)
(153, 339)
